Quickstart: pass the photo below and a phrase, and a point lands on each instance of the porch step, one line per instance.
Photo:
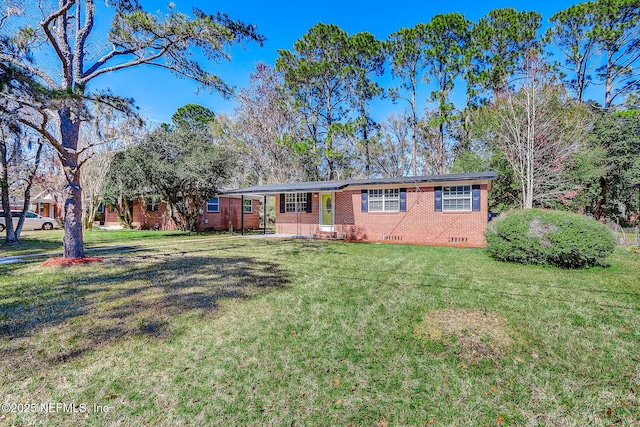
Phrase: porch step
(327, 235)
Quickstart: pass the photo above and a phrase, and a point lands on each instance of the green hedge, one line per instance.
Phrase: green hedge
(546, 237)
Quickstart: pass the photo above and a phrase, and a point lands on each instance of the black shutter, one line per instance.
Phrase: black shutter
(364, 205)
(309, 202)
(475, 198)
(282, 203)
(403, 200)
(438, 199)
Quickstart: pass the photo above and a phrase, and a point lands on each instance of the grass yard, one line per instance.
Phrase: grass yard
(41, 241)
(203, 331)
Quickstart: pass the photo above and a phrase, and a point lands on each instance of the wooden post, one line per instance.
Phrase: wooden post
(242, 214)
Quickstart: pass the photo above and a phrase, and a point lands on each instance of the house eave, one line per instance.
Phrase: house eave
(320, 186)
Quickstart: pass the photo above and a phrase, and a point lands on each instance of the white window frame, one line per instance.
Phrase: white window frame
(456, 194)
(215, 207)
(386, 198)
(152, 206)
(248, 203)
(295, 202)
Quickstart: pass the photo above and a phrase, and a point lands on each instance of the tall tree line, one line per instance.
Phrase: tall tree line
(555, 87)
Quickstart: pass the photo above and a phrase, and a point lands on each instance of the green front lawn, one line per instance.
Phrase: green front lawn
(44, 241)
(201, 331)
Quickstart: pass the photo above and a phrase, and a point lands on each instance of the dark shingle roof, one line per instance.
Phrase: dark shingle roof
(304, 187)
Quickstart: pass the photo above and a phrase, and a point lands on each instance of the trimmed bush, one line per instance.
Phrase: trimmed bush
(545, 237)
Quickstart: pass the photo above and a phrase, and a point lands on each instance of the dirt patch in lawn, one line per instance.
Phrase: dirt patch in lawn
(65, 262)
(475, 334)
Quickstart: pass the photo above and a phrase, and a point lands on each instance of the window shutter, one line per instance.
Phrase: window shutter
(364, 205)
(309, 202)
(282, 203)
(475, 198)
(403, 200)
(438, 199)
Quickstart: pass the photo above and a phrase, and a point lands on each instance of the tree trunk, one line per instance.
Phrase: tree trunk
(598, 210)
(11, 238)
(365, 138)
(329, 141)
(414, 138)
(441, 154)
(608, 80)
(72, 192)
(72, 210)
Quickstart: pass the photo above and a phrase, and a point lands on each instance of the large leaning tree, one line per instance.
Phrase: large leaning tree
(69, 55)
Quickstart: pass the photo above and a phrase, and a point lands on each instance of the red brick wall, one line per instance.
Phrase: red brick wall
(420, 224)
(298, 223)
(110, 217)
(229, 208)
(142, 218)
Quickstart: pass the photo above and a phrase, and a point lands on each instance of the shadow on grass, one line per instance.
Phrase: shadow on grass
(125, 297)
(28, 246)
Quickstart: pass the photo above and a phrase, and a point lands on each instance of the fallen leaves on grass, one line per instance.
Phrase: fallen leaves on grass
(66, 262)
(480, 335)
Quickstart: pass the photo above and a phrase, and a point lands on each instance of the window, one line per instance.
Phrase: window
(456, 198)
(247, 206)
(101, 207)
(295, 202)
(213, 205)
(152, 206)
(384, 200)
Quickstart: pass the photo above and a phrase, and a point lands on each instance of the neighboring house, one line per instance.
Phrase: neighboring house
(448, 210)
(44, 204)
(47, 205)
(219, 213)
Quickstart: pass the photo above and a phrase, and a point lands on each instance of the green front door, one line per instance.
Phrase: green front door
(326, 212)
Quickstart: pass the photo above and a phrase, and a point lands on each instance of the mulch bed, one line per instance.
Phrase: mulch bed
(65, 262)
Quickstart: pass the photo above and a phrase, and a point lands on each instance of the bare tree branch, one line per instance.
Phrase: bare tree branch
(59, 41)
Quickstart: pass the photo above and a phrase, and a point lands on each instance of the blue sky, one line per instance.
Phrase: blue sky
(159, 93)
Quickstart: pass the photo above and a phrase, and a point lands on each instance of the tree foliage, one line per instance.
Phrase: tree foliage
(316, 75)
(366, 61)
(20, 158)
(121, 187)
(505, 39)
(573, 33)
(599, 43)
(609, 165)
(184, 166)
(538, 128)
(447, 38)
(268, 128)
(408, 63)
(66, 38)
(193, 117)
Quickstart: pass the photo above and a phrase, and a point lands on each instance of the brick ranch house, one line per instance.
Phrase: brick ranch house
(220, 213)
(443, 210)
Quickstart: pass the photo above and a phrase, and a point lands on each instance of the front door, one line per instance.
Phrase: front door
(327, 210)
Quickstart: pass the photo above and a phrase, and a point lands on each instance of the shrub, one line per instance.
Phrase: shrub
(562, 239)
